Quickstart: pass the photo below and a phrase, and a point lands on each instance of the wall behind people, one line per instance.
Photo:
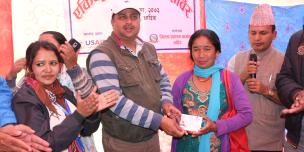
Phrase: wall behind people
(31, 18)
(6, 47)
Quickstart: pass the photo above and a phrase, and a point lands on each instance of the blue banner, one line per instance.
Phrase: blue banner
(230, 20)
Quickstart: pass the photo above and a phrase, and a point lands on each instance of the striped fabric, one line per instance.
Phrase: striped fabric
(105, 75)
(81, 81)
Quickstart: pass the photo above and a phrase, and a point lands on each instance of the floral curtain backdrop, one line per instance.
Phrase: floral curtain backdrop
(230, 21)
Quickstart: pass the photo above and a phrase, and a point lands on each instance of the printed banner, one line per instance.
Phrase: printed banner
(167, 24)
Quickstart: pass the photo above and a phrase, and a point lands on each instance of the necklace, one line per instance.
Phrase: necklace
(204, 84)
(202, 95)
(200, 79)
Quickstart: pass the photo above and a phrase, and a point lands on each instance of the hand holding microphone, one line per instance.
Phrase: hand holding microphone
(253, 84)
(252, 65)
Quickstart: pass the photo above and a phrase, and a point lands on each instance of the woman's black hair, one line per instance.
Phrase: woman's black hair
(211, 35)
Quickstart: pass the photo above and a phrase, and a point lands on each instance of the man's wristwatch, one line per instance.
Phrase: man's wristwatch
(270, 92)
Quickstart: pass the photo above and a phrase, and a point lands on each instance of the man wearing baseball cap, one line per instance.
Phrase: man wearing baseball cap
(266, 132)
(129, 65)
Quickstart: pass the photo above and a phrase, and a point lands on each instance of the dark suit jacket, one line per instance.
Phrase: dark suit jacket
(289, 81)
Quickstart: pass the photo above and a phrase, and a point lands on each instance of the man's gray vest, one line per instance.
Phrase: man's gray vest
(139, 78)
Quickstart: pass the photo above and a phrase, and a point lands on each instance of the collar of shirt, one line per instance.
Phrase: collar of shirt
(139, 45)
(138, 41)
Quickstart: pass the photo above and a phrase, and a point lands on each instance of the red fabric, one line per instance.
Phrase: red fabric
(74, 147)
(6, 38)
(56, 88)
(238, 139)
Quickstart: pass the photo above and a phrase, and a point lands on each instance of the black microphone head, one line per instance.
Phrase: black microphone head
(253, 57)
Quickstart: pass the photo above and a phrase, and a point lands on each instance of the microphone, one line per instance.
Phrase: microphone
(253, 57)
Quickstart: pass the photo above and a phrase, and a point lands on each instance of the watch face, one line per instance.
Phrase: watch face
(270, 92)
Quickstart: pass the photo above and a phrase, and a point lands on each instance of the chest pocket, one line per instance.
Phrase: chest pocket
(155, 69)
(127, 75)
